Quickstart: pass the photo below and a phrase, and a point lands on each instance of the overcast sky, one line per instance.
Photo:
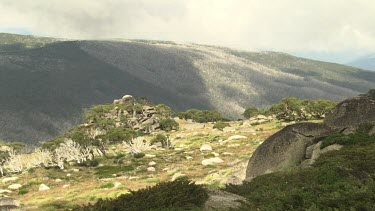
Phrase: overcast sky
(335, 30)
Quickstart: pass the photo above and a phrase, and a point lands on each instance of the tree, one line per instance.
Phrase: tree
(250, 112)
(164, 110)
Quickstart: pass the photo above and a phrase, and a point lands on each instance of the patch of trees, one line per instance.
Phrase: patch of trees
(294, 109)
(200, 116)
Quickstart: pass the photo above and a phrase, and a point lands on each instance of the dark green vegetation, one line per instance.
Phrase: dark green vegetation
(176, 195)
(46, 83)
(168, 124)
(221, 125)
(339, 180)
(200, 116)
(292, 109)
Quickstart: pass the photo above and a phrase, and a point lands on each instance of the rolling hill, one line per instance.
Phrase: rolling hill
(46, 83)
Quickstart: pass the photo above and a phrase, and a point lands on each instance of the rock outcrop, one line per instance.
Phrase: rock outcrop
(7, 203)
(299, 144)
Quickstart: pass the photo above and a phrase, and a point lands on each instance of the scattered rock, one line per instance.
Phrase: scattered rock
(152, 163)
(177, 149)
(66, 186)
(43, 187)
(68, 175)
(14, 186)
(177, 175)
(189, 157)
(235, 137)
(150, 156)
(227, 153)
(205, 147)
(9, 179)
(133, 178)
(58, 180)
(211, 161)
(75, 170)
(151, 169)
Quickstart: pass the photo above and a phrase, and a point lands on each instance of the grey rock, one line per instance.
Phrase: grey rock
(222, 200)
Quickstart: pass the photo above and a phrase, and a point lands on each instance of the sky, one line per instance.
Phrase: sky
(330, 30)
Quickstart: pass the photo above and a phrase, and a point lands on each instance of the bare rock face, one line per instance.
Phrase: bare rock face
(284, 149)
(351, 113)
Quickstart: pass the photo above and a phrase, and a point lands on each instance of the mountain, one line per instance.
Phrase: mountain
(366, 62)
(46, 83)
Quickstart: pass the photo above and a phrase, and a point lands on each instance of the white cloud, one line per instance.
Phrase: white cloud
(288, 25)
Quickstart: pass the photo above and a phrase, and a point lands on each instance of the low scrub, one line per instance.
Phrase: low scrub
(176, 195)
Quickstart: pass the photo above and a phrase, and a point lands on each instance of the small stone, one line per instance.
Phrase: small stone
(5, 191)
(150, 156)
(205, 147)
(236, 137)
(151, 169)
(215, 154)
(177, 149)
(66, 186)
(68, 175)
(14, 186)
(211, 161)
(43, 187)
(9, 179)
(152, 163)
(189, 158)
(227, 153)
(133, 178)
(117, 184)
(177, 175)
(75, 170)
(58, 180)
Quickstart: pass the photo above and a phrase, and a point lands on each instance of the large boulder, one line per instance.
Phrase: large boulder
(284, 149)
(351, 113)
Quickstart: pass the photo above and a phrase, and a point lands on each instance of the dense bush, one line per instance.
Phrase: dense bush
(339, 180)
(118, 135)
(292, 109)
(164, 110)
(168, 124)
(220, 125)
(176, 195)
(200, 116)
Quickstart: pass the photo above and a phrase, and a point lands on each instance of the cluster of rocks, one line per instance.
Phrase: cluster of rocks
(128, 113)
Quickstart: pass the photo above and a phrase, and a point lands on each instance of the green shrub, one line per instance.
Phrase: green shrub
(168, 124)
(118, 135)
(139, 155)
(350, 139)
(221, 125)
(201, 116)
(108, 171)
(22, 191)
(107, 186)
(176, 195)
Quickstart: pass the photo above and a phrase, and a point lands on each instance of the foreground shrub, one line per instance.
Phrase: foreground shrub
(176, 195)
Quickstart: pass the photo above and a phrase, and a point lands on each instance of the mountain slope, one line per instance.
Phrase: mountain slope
(44, 87)
(366, 63)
